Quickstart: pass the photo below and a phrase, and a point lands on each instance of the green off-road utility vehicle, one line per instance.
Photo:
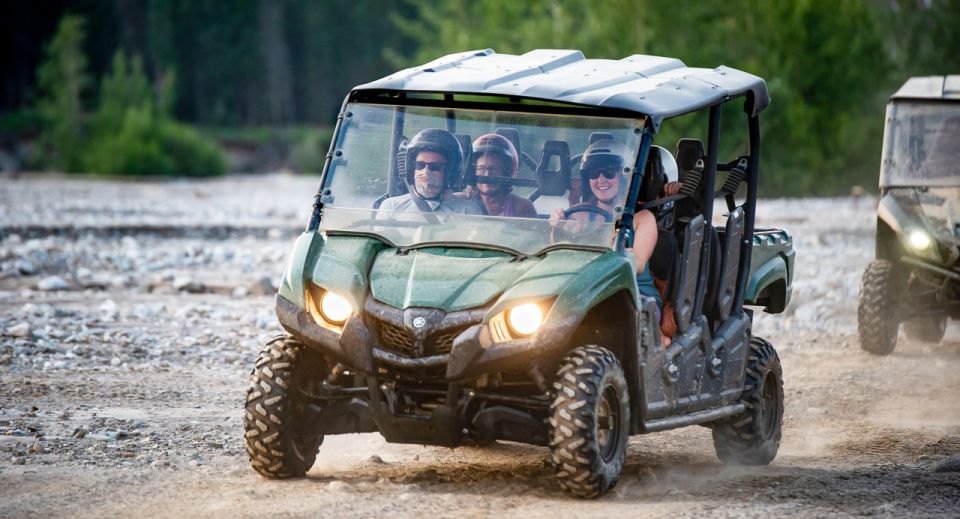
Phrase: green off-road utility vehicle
(915, 278)
(416, 310)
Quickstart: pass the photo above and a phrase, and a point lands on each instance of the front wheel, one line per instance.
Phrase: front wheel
(926, 329)
(589, 422)
(753, 436)
(877, 319)
(277, 447)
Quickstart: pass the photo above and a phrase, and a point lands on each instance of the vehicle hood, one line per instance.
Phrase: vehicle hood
(453, 279)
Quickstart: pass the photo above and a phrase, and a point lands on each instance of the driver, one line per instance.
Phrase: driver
(433, 160)
(602, 169)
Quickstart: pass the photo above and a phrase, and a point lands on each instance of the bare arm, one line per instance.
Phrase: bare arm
(644, 237)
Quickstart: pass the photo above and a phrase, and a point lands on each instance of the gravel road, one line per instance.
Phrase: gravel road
(131, 313)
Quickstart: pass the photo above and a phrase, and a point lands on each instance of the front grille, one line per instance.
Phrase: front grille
(443, 341)
(386, 322)
(396, 339)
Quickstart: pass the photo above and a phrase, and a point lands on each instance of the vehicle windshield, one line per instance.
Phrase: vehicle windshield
(921, 144)
(415, 175)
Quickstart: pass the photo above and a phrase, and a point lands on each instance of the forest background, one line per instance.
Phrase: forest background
(164, 87)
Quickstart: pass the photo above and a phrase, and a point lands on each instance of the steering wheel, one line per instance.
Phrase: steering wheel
(592, 209)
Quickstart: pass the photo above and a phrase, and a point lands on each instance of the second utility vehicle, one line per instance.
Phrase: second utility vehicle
(417, 311)
(915, 278)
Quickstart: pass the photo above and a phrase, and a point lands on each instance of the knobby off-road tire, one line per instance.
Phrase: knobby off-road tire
(877, 320)
(926, 329)
(274, 404)
(589, 422)
(753, 437)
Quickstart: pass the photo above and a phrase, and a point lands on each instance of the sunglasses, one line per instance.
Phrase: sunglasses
(608, 173)
(432, 166)
(490, 170)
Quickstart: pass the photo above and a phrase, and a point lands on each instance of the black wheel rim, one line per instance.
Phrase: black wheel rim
(770, 404)
(608, 424)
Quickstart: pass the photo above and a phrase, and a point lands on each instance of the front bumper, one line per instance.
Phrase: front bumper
(932, 288)
(473, 353)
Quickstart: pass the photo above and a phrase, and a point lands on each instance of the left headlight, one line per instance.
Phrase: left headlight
(525, 319)
(335, 308)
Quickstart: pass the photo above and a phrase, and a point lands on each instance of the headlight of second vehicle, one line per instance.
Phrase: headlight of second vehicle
(919, 240)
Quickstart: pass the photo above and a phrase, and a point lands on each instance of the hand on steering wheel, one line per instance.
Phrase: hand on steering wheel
(592, 209)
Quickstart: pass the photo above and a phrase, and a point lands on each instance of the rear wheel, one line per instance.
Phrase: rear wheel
(753, 436)
(926, 329)
(277, 448)
(877, 320)
(589, 422)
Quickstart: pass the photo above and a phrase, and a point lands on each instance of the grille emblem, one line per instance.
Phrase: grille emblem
(419, 322)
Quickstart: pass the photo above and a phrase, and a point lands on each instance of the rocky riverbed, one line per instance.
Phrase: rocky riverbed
(131, 313)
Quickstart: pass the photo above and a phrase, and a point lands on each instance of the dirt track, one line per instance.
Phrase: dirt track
(130, 314)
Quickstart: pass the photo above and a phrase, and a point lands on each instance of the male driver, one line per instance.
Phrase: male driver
(433, 160)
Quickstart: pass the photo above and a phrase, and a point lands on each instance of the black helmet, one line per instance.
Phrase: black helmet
(438, 141)
(601, 154)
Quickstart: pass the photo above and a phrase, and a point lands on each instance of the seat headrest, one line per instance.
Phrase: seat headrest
(599, 136)
(689, 151)
(512, 135)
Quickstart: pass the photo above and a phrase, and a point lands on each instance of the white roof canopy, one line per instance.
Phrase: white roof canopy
(654, 86)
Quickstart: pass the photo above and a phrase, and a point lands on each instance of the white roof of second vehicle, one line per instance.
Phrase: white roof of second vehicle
(930, 87)
(655, 86)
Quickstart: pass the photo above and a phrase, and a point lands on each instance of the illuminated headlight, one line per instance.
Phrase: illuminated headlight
(919, 240)
(335, 308)
(525, 319)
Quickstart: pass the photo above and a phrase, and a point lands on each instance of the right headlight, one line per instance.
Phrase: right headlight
(520, 321)
(525, 319)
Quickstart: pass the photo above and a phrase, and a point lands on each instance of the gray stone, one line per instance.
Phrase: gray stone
(108, 310)
(26, 267)
(21, 330)
(188, 285)
(52, 283)
(263, 287)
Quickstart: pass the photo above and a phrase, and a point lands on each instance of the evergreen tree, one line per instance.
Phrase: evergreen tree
(61, 80)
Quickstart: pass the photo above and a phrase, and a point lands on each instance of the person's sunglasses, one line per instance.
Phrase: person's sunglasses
(608, 173)
(490, 170)
(432, 166)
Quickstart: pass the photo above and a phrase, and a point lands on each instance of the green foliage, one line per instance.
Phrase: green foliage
(22, 123)
(309, 150)
(61, 80)
(253, 65)
(133, 134)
